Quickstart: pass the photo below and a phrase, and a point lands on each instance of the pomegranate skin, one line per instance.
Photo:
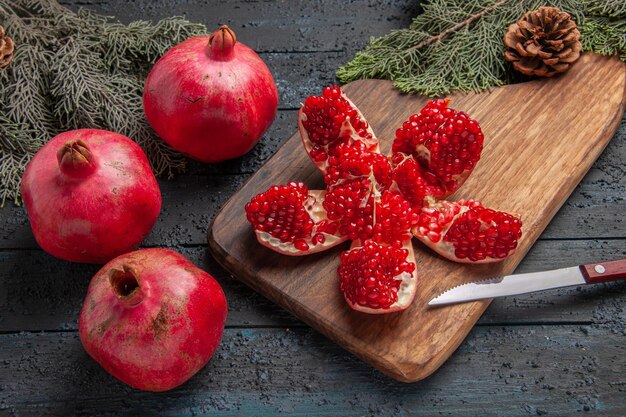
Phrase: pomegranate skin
(209, 104)
(159, 335)
(95, 213)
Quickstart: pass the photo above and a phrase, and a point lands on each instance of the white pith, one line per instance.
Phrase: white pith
(287, 248)
(423, 152)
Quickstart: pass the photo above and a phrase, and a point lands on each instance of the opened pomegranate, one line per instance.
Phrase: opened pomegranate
(90, 195)
(211, 97)
(465, 231)
(152, 319)
(381, 203)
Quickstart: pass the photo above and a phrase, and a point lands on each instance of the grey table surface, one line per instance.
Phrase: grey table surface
(560, 352)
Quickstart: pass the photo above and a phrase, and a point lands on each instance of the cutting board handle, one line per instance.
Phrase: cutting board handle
(604, 271)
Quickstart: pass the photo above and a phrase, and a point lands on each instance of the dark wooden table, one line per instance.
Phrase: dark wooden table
(558, 352)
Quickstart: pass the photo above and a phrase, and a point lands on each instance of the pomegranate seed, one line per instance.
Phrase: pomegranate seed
(301, 245)
(355, 163)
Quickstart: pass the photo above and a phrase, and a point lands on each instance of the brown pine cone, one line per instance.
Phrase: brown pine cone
(6, 49)
(543, 42)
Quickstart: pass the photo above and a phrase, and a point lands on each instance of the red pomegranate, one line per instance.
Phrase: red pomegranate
(90, 195)
(211, 97)
(152, 319)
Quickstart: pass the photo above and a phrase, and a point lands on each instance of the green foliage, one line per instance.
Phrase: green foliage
(77, 70)
(457, 45)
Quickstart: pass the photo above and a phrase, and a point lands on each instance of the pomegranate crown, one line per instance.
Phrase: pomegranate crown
(75, 159)
(222, 41)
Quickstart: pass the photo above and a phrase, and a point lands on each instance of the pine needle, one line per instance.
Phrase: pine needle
(76, 70)
(457, 45)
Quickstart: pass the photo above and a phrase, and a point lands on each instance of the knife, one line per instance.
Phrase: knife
(534, 281)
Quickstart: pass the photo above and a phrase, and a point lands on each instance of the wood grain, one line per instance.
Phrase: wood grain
(501, 372)
(541, 137)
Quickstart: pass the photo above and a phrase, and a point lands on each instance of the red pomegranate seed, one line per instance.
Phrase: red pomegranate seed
(359, 164)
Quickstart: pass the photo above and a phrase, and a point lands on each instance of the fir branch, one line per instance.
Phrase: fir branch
(78, 70)
(457, 45)
(610, 8)
(12, 167)
(460, 25)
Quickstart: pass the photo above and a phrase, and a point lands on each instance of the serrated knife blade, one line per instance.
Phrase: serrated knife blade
(531, 282)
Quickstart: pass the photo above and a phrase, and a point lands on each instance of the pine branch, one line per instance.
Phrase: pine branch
(457, 45)
(465, 23)
(611, 8)
(78, 70)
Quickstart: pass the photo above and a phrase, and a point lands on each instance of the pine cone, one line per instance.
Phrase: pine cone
(543, 42)
(6, 49)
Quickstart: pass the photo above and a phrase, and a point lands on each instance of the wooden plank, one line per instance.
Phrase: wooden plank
(594, 210)
(38, 292)
(178, 221)
(559, 370)
(537, 150)
(286, 26)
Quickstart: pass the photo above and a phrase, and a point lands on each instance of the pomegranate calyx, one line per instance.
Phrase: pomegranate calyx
(125, 284)
(75, 159)
(222, 42)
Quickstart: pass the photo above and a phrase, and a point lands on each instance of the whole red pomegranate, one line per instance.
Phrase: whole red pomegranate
(152, 319)
(210, 97)
(90, 195)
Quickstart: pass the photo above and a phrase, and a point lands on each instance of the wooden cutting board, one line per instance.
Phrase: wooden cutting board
(541, 137)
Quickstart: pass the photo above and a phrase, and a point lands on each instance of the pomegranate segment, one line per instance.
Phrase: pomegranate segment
(410, 182)
(350, 203)
(445, 143)
(393, 219)
(331, 124)
(291, 220)
(378, 279)
(467, 232)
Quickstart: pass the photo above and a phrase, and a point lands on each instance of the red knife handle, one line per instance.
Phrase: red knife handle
(604, 271)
